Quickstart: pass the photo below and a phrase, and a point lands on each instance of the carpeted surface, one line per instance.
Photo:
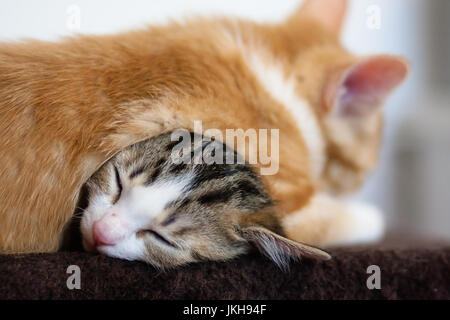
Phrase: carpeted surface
(406, 273)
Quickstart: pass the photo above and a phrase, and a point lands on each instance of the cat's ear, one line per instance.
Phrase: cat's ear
(329, 13)
(359, 88)
(280, 249)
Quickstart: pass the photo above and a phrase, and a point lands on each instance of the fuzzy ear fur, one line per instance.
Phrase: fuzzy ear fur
(329, 13)
(280, 249)
(358, 89)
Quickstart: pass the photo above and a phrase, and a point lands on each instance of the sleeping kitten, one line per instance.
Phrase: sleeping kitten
(144, 205)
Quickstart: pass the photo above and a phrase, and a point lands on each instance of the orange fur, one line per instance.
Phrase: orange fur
(67, 107)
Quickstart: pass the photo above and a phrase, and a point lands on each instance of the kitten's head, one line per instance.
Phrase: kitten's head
(352, 118)
(347, 92)
(142, 206)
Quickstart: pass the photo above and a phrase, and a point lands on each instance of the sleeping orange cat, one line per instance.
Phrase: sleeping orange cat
(68, 107)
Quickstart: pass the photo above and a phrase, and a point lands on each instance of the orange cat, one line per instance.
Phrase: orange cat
(66, 108)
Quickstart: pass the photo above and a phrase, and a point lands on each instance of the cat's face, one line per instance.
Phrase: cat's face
(346, 91)
(352, 118)
(128, 219)
(142, 206)
(353, 149)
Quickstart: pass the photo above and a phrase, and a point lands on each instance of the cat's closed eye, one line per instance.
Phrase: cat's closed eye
(119, 185)
(157, 236)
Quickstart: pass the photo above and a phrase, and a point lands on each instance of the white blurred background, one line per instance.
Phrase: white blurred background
(412, 183)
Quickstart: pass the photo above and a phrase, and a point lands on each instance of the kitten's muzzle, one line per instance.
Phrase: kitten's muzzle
(108, 230)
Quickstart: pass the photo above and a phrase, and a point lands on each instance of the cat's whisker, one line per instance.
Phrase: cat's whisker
(79, 214)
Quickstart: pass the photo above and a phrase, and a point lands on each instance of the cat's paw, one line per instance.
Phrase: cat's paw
(365, 224)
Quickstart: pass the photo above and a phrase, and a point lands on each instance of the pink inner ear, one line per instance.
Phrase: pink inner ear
(366, 85)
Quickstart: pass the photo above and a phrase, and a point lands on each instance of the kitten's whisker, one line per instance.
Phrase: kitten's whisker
(79, 214)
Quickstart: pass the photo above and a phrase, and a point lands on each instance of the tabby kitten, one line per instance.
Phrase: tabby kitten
(145, 204)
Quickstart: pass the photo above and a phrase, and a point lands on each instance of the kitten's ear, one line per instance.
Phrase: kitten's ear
(329, 13)
(280, 249)
(359, 88)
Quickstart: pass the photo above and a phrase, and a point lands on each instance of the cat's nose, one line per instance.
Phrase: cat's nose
(108, 230)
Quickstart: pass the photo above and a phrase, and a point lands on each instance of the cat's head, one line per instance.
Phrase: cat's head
(346, 91)
(141, 206)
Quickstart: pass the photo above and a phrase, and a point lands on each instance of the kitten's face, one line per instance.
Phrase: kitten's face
(349, 105)
(353, 148)
(154, 223)
(144, 207)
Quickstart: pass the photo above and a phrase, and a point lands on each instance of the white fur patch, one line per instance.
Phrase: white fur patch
(341, 223)
(145, 203)
(130, 249)
(367, 224)
(282, 88)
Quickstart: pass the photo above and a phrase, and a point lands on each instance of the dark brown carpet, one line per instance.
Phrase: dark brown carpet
(408, 271)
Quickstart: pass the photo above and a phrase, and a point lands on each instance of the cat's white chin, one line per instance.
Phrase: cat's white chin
(128, 249)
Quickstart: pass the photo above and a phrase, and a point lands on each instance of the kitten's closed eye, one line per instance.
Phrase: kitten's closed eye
(119, 185)
(158, 236)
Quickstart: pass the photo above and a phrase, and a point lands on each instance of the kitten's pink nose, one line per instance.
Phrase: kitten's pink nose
(108, 230)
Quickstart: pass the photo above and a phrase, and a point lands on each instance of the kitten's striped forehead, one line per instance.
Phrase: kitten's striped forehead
(150, 172)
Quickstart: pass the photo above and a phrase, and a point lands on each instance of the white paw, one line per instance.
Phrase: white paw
(366, 224)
